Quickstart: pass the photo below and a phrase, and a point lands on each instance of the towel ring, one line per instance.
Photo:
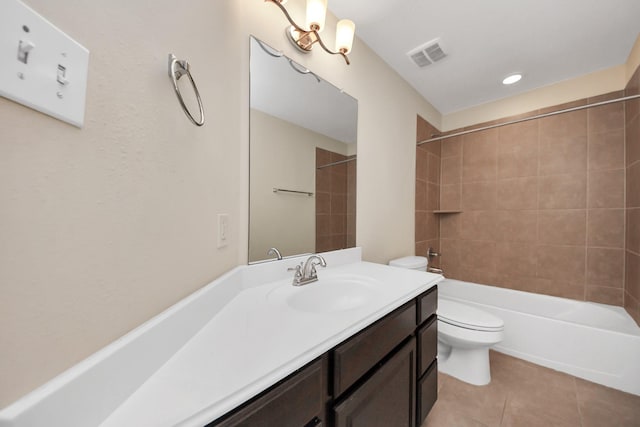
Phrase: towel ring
(177, 69)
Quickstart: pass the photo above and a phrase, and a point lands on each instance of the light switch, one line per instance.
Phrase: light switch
(42, 67)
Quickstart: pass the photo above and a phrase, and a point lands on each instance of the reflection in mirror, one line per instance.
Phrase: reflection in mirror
(302, 159)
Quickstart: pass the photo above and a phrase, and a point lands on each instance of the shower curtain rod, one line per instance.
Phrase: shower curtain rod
(339, 162)
(539, 116)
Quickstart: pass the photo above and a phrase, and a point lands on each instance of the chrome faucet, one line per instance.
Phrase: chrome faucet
(276, 252)
(307, 273)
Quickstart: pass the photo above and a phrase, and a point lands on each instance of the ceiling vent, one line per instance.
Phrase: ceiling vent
(427, 53)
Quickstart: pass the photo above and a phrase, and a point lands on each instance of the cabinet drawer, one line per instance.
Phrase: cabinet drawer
(387, 398)
(359, 354)
(427, 344)
(293, 403)
(427, 304)
(427, 392)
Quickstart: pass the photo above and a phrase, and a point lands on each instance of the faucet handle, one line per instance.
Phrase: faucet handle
(298, 275)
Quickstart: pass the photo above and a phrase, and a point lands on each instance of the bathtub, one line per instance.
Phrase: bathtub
(597, 342)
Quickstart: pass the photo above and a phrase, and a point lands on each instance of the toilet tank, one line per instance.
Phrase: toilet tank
(410, 262)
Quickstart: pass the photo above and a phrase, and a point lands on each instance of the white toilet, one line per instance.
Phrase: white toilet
(465, 334)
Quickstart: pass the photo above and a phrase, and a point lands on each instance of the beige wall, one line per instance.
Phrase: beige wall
(283, 155)
(104, 227)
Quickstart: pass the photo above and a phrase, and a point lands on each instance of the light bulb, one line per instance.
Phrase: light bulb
(316, 13)
(344, 35)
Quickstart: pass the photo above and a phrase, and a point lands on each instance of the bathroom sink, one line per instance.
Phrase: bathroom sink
(329, 295)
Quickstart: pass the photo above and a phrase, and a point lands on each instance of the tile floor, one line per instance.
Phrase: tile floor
(528, 395)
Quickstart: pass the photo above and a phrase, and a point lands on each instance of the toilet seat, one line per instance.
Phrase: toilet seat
(467, 317)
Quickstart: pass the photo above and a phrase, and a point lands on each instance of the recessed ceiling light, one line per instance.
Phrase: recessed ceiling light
(513, 78)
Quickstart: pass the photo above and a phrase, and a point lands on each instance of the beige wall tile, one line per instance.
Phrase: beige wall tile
(633, 140)
(421, 195)
(452, 147)
(562, 191)
(450, 197)
(606, 189)
(633, 186)
(480, 156)
(433, 172)
(450, 226)
(478, 196)
(432, 229)
(518, 150)
(517, 226)
(451, 170)
(338, 224)
(478, 225)
(433, 197)
(422, 163)
(606, 150)
(421, 248)
(323, 203)
(560, 288)
(605, 267)
(475, 265)
(516, 259)
(561, 155)
(450, 256)
(606, 118)
(517, 193)
(604, 295)
(633, 230)
(339, 204)
(421, 226)
(605, 228)
(564, 125)
(562, 227)
(632, 306)
(562, 263)
(632, 275)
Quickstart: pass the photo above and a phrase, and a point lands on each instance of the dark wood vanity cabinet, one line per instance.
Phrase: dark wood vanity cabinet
(387, 398)
(298, 401)
(427, 371)
(385, 375)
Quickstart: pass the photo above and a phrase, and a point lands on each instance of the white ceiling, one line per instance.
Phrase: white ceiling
(546, 40)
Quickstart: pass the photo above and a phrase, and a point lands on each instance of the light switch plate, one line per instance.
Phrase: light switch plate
(40, 66)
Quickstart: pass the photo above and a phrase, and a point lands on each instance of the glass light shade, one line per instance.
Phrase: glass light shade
(344, 35)
(316, 13)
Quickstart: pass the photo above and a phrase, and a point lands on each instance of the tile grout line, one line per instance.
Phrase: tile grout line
(575, 386)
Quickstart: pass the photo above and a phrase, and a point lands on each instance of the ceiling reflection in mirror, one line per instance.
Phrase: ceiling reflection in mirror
(302, 159)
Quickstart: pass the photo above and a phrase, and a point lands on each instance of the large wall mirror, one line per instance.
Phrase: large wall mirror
(302, 159)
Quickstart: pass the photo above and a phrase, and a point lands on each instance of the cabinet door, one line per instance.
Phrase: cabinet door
(427, 391)
(298, 401)
(359, 354)
(387, 398)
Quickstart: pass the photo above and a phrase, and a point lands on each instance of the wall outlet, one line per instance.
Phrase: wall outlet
(223, 230)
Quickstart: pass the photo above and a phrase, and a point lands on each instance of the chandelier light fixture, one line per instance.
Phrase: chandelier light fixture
(305, 39)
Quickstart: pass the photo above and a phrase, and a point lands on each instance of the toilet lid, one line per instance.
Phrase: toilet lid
(467, 317)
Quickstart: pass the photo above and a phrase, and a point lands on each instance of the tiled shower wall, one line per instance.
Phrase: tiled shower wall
(542, 204)
(335, 202)
(632, 145)
(427, 225)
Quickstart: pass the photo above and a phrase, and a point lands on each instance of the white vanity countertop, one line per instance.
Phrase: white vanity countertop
(256, 340)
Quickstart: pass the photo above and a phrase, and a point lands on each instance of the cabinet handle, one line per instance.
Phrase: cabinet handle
(315, 422)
